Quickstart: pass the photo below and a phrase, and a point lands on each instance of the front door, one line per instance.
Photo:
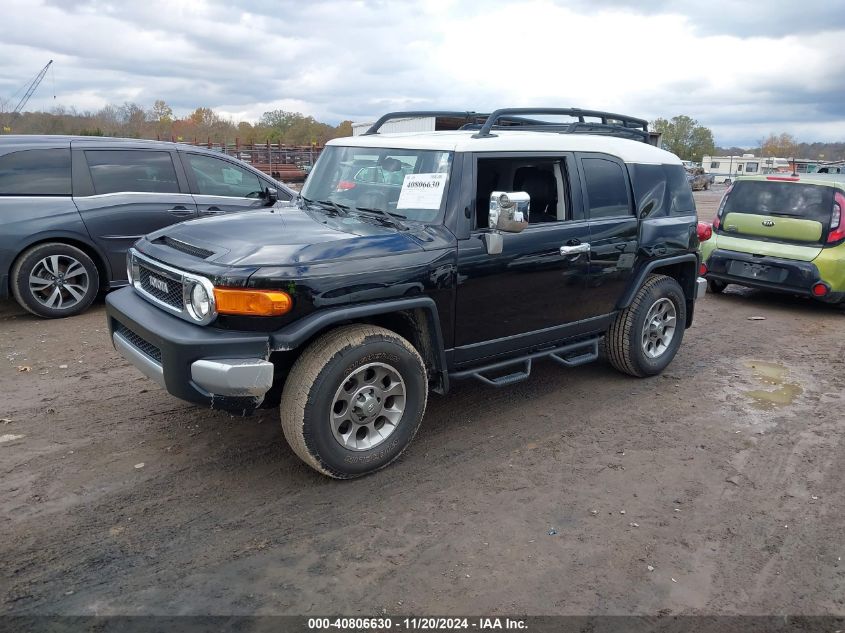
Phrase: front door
(126, 194)
(222, 186)
(531, 292)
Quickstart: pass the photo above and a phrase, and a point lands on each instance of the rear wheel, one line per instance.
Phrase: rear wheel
(715, 286)
(645, 336)
(354, 400)
(55, 280)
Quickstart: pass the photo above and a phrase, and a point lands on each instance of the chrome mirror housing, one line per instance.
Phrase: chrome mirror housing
(509, 211)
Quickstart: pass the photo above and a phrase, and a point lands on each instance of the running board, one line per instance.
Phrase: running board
(570, 355)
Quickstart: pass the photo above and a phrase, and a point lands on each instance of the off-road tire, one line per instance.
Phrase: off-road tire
(310, 389)
(624, 337)
(715, 286)
(25, 265)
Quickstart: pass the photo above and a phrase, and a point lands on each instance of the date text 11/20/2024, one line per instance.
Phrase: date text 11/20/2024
(417, 624)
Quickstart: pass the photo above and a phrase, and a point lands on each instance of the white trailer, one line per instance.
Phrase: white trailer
(727, 168)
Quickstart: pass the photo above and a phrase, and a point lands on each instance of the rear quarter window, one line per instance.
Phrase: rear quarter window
(662, 190)
(35, 172)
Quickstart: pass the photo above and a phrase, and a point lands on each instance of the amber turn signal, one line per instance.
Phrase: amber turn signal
(252, 302)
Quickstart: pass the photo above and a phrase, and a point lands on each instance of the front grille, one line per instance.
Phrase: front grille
(161, 286)
(139, 342)
(183, 247)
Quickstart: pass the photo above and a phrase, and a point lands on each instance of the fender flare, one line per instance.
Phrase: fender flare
(297, 333)
(650, 267)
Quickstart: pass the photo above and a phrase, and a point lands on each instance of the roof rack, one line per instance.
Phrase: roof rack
(611, 123)
(468, 116)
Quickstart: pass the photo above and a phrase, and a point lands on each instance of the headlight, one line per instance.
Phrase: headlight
(200, 301)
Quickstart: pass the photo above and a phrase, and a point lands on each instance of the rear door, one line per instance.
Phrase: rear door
(220, 185)
(613, 230)
(123, 194)
(778, 212)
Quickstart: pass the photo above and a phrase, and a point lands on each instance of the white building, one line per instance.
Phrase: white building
(727, 168)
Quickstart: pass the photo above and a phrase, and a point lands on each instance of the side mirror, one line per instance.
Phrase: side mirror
(509, 211)
(272, 195)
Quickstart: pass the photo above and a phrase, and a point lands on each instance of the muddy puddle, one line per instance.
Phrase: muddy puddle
(776, 390)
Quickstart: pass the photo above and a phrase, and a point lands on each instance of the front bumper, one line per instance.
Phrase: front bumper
(222, 369)
(775, 274)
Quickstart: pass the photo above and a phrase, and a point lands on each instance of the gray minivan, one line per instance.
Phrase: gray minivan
(70, 207)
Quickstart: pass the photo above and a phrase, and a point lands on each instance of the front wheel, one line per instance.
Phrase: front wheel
(644, 337)
(354, 400)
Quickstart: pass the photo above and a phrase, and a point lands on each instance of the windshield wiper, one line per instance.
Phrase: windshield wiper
(388, 216)
(326, 205)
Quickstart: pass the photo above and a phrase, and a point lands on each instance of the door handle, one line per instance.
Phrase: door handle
(180, 211)
(213, 209)
(574, 249)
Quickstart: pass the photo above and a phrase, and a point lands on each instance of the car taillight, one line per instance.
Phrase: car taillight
(837, 222)
(705, 231)
(702, 269)
(820, 289)
(345, 185)
(717, 221)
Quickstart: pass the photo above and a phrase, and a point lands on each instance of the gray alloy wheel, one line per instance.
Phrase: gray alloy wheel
(368, 406)
(659, 328)
(59, 282)
(54, 280)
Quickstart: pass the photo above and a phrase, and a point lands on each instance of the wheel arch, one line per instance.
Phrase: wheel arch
(681, 268)
(414, 318)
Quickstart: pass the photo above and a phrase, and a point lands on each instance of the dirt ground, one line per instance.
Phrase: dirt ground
(716, 488)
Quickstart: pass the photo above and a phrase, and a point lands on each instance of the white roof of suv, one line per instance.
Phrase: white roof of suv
(516, 141)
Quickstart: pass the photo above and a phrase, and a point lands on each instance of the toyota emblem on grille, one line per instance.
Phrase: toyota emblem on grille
(768, 222)
(158, 284)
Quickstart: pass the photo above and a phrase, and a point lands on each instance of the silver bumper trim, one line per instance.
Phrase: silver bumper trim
(700, 287)
(147, 366)
(233, 377)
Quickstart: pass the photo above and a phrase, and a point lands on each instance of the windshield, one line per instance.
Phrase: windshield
(409, 183)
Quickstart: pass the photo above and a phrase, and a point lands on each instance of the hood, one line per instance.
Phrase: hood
(284, 236)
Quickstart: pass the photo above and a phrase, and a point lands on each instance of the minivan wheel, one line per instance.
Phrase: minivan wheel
(644, 337)
(715, 286)
(354, 400)
(55, 280)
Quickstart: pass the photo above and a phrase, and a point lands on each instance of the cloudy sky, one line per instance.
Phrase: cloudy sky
(744, 69)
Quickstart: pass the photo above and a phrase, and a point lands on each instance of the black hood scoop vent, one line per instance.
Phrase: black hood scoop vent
(184, 247)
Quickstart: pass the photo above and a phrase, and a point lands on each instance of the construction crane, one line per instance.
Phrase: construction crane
(32, 87)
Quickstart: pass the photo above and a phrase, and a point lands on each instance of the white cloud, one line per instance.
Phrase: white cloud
(744, 77)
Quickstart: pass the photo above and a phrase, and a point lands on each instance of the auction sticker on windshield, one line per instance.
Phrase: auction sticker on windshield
(422, 191)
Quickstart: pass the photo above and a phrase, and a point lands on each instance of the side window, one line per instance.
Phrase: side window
(661, 190)
(751, 167)
(607, 189)
(217, 177)
(543, 179)
(714, 165)
(114, 171)
(35, 172)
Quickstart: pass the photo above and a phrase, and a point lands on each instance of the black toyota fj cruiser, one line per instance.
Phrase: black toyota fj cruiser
(413, 260)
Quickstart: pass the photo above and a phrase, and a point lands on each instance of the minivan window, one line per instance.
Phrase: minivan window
(607, 190)
(789, 199)
(114, 171)
(217, 177)
(35, 172)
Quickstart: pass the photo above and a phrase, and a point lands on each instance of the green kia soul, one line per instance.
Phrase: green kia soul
(780, 233)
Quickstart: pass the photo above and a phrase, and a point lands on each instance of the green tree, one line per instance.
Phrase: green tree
(162, 112)
(344, 128)
(682, 135)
